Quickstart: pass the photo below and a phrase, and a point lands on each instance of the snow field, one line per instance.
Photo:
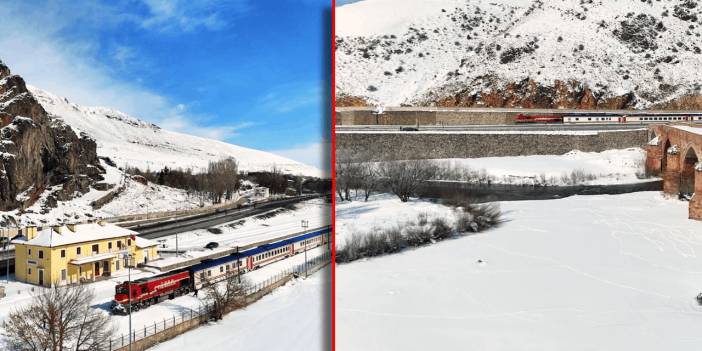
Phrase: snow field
(582, 273)
(607, 167)
(295, 317)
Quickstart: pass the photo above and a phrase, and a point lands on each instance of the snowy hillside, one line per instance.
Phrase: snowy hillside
(569, 53)
(130, 141)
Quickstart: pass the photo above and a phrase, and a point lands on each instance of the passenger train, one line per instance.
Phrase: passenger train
(607, 119)
(148, 291)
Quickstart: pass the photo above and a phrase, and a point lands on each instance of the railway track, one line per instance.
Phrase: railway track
(491, 128)
(171, 227)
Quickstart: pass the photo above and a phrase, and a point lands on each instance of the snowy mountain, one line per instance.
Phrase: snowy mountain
(505, 53)
(130, 141)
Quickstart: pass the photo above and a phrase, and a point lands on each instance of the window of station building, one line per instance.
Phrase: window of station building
(29, 271)
(63, 275)
(109, 245)
(119, 245)
(77, 250)
(96, 248)
(129, 242)
(41, 254)
(29, 252)
(63, 253)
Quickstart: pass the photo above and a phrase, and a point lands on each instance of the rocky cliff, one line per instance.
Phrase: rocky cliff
(38, 153)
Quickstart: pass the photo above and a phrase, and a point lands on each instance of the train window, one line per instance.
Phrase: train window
(202, 275)
(221, 269)
(209, 273)
(589, 119)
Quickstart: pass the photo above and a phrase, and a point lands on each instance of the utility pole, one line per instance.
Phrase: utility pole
(7, 264)
(238, 265)
(305, 223)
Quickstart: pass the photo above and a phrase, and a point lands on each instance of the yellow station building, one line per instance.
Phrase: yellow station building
(77, 253)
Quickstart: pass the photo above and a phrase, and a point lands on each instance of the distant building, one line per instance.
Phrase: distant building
(76, 253)
(256, 193)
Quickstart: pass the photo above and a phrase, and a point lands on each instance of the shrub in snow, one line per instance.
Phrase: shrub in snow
(674, 150)
(698, 166)
(441, 229)
(469, 219)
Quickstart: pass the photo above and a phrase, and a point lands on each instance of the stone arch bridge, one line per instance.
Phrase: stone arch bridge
(675, 152)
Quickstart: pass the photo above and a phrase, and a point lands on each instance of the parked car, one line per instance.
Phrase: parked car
(212, 245)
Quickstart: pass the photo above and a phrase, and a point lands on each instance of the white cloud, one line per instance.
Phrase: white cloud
(314, 154)
(183, 124)
(31, 45)
(289, 97)
(184, 15)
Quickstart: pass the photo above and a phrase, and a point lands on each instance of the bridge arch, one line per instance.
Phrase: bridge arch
(688, 161)
(664, 160)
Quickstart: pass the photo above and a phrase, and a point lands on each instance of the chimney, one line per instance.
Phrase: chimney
(58, 229)
(30, 232)
(71, 227)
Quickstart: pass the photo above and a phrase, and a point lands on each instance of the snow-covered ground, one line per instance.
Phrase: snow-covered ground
(19, 294)
(296, 316)
(253, 229)
(130, 141)
(392, 52)
(383, 211)
(607, 167)
(183, 304)
(606, 272)
(136, 198)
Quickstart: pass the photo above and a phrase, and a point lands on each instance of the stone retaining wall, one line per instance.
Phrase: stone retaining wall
(414, 145)
(424, 117)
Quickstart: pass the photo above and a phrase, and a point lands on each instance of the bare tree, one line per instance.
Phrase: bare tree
(347, 175)
(404, 177)
(223, 178)
(226, 295)
(298, 182)
(369, 179)
(60, 318)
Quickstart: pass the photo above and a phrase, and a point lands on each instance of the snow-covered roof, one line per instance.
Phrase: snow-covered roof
(50, 237)
(144, 242)
(94, 258)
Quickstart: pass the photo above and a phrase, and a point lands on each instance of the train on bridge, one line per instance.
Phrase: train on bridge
(607, 118)
(148, 291)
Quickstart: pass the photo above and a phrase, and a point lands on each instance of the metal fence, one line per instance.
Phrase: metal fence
(188, 314)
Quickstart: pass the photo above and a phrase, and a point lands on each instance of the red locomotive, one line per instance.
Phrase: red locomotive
(148, 291)
(521, 118)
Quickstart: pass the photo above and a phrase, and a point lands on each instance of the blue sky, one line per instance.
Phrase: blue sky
(249, 72)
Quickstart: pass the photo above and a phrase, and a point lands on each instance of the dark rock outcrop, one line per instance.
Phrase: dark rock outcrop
(37, 152)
